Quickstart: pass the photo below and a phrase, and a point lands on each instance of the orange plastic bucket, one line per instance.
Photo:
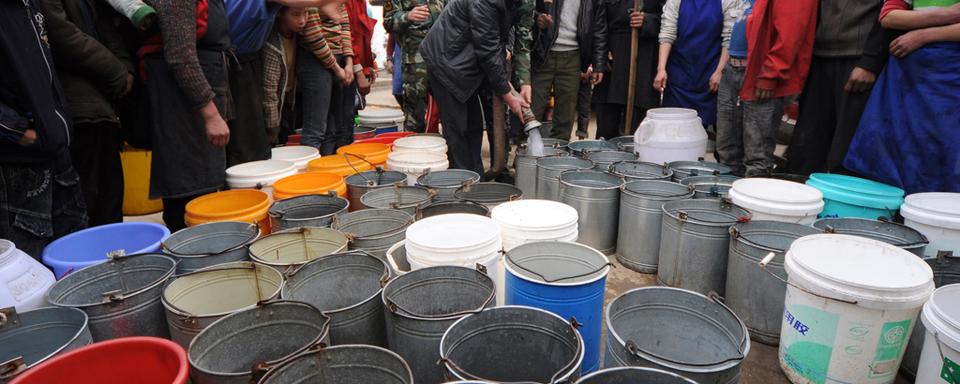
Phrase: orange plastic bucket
(375, 153)
(310, 183)
(245, 205)
(339, 165)
(140, 360)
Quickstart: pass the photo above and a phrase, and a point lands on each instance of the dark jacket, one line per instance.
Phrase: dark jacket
(591, 34)
(466, 46)
(850, 29)
(90, 57)
(30, 94)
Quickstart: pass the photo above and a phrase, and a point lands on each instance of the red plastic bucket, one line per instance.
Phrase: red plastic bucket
(382, 140)
(293, 140)
(396, 134)
(139, 360)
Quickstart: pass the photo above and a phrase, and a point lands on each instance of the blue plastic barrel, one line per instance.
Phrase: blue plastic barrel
(848, 196)
(91, 246)
(387, 129)
(565, 278)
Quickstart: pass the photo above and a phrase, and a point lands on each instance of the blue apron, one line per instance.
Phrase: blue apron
(908, 134)
(694, 57)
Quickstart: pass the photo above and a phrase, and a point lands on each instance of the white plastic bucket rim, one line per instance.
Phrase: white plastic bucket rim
(600, 274)
(419, 143)
(860, 271)
(445, 256)
(672, 113)
(259, 173)
(938, 209)
(941, 315)
(299, 155)
(380, 116)
(534, 215)
(489, 260)
(414, 159)
(779, 197)
(453, 231)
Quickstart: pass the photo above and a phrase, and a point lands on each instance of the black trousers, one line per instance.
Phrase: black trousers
(462, 127)
(610, 119)
(95, 152)
(174, 211)
(248, 130)
(829, 117)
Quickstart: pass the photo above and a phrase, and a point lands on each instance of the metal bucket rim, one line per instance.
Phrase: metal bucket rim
(625, 188)
(325, 330)
(166, 249)
(360, 175)
(646, 369)
(555, 167)
(315, 350)
(923, 240)
(413, 316)
(592, 188)
(424, 199)
(356, 253)
(289, 231)
(573, 366)
(612, 153)
(214, 268)
(738, 233)
(276, 213)
(676, 216)
(665, 173)
(515, 193)
(409, 219)
(423, 180)
(700, 165)
(84, 326)
(601, 273)
(126, 295)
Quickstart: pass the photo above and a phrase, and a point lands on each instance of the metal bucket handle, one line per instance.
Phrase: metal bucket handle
(350, 164)
(12, 367)
(395, 308)
(766, 260)
(255, 225)
(546, 280)
(690, 189)
(371, 183)
(830, 229)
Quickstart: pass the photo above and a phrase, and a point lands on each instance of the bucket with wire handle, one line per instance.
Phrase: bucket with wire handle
(360, 183)
(210, 244)
(400, 197)
(374, 230)
(307, 211)
(626, 375)
(341, 364)
(297, 246)
(32, 337)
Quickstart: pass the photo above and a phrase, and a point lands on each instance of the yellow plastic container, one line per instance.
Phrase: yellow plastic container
(245, 205)
(339, 165)
(375, 153)
(136, 183)
(310, 183)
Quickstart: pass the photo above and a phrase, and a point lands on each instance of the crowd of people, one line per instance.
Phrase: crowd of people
(206, 84)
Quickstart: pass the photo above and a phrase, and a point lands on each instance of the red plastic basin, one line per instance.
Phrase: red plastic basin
(129, 360)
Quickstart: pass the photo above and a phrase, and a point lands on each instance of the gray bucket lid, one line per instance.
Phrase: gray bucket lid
(557, 263)
(771, 236)
(888, 232)
(116, 279)
(709, 212)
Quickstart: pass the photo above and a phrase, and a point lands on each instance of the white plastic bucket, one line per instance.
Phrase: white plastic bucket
(299, 155)
(850, 307)
(670, 134)
(416, 163)
(524, 221)
(937, 216)
(941, 316)
(380, 116)
(457, 239)
(421, 143)
(24, 282)
(259, 174)
(778, 200)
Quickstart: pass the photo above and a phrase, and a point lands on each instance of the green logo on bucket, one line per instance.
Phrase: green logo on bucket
(893, 339)
(807, 341)
(950, 372)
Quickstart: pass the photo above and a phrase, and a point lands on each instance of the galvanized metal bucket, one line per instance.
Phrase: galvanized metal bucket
(210, 244)
(512, 344)
(628, 147)
(604, 159)
(32, 337)
(195, 300)
(639, 170)
(625, 139)
(902, 236)
(447, 181)
(297, 246)
(548, 174)
(490, 194)
(580, 148)
(422, 304)
(447, 207)
(374, 230)
(347, 288)
(676, 330)
(627, 375)
(641, 215)
(360, 183)
(400, 197)
(238, 347)
(121, 296)
(596, 197)
(694, 242)
(525, 167)
(710, 187)
(946, 270)
(554, 143)
(307, 211)
(685, 169)
(752, 292)
(341, 364)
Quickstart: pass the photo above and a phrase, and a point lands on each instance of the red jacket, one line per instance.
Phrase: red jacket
(361, 30)
(780, 36)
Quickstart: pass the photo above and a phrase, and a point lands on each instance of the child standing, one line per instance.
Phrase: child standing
(279, 58)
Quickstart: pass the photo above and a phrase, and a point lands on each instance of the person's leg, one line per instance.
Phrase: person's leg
(316, 84)
(565, 89)
(730, 120)
(583, 111)
(760, 123)
(477, 116)
(609, 118)
(348, 110)
(110, 189)
(26, 205)
(85, 153)
(248, 130)
(68, 211)
(454, 117)
(415, 90)
(851, 106)
(818, 117)
(541, 82)
(174, 211)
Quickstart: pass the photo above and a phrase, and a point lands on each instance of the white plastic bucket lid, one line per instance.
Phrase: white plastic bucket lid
(263, 172)
(453, 231)
(537, 215)
(938, 209)
(298, 154)
(417, 142)
(856, 269)
(941, 314)
(779, 197)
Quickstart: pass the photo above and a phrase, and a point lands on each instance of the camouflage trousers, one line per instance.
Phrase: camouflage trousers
(416, 86)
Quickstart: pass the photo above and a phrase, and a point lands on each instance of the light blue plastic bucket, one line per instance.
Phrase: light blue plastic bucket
(90, 246)
(565, 278)
(848, 196)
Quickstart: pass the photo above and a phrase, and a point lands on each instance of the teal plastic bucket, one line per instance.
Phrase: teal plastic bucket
(848, 196)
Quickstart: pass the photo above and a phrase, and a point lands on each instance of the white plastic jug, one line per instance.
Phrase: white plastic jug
(24, 282)
(670, 134)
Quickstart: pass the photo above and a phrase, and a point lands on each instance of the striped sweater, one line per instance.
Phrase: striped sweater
(326, 38)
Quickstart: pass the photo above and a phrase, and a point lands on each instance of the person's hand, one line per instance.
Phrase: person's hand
(363, 84)
(763, 94)
(348, 76)
(332, 12)
(509, 56)
(218, 133)
(660, 81)
(389, 64)
(418, 14)
(909, 42)
(636, 19)
(715, 81)
(29, 137)
(585, 76)
(339, 73)
(129, 86)
(860, 80)
(515, 103)
(373, 76)
(596, 78)
(526, 92)
(544, 20)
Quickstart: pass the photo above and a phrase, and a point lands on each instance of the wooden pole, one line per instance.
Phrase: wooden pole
(632, 76)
